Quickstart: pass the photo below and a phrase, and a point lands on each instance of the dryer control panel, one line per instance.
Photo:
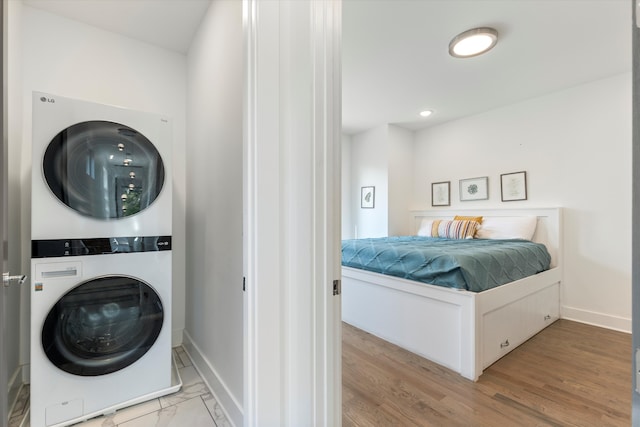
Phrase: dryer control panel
(98, 246)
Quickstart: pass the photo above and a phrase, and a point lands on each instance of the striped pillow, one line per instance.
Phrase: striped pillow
(456, 229)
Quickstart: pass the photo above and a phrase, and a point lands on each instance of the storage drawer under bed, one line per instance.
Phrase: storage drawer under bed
(507, 327)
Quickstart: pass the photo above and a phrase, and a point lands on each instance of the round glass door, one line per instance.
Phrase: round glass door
(102, 326)
(103, 169)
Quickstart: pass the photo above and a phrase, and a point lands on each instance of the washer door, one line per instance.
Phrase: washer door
(103, 169)
(102, 326)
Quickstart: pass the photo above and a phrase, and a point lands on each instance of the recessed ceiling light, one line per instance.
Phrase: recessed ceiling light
(426, 113)
(473, 42)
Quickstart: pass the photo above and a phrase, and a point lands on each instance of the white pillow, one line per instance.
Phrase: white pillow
(425, 227)
(507, 227)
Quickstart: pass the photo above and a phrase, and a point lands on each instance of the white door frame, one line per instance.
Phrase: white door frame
(4, 177)
(635, 249)
(292, 213)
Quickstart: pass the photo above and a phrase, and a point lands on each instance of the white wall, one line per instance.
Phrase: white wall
(400, 179)
(575, 146)
(380, 157)
(346, 190)
(71, 59)
(214, 304)
(369, 167)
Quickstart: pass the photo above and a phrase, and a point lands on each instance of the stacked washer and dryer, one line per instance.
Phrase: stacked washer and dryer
(100, 259)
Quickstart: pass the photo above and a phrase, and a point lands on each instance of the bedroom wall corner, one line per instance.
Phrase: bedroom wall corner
(400, 177)
(370, 167)
(379, 157)
(347, 196)
(559, 140)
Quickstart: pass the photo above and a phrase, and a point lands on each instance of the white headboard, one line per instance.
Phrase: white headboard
(548, 231)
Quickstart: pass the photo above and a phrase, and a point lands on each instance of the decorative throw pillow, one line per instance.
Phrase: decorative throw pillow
(469, 218)
(456, 229)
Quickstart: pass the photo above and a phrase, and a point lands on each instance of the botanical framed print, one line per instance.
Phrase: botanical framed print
(513, 186)
(367, 197)
(440, 193)
(474, 189)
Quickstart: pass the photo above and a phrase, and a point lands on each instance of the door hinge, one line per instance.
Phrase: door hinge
(337, 287)
(244, 284)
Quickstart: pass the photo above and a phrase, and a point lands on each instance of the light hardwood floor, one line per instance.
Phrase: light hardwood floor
(570, 374)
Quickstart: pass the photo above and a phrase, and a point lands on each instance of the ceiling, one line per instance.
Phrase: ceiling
(396, 61)
(170, 24)
(395, 52)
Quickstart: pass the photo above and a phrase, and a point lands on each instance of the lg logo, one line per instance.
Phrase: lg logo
(45, 99)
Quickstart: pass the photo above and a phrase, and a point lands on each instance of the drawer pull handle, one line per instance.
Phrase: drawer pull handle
(504, 344)
(547, 317)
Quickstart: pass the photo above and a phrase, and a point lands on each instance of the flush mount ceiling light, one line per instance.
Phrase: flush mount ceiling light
(426, 113)
(473, 42)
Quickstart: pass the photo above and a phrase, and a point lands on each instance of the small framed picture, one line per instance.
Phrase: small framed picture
(367, 197)
(513, 186)
(440, 194)
(474, 189)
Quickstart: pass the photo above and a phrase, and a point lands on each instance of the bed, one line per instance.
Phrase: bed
(460, 329)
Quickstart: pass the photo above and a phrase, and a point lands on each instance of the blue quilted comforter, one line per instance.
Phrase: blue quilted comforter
(472, 264)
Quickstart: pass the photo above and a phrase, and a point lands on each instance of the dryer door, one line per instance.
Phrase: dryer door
(102, 326)
(103, 169)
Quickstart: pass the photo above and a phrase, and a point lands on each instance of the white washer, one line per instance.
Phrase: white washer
(100, 329)
(98, 170)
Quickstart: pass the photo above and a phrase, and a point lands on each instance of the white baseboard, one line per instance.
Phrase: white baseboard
(602, 320)
(229, 404)
(176, 337)
(26, 373)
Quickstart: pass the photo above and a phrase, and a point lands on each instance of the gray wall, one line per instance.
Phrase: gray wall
(214, 304)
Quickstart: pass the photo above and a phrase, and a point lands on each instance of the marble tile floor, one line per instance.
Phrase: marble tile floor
(192, 406)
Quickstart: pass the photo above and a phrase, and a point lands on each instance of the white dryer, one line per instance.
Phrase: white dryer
(98, 170)
(100, 327)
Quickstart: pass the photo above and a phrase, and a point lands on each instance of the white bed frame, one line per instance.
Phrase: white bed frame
(464, 331)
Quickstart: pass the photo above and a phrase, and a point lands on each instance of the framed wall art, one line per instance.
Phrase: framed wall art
(440, 193)
(367, 197)
(513, 186)
(474, 189)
